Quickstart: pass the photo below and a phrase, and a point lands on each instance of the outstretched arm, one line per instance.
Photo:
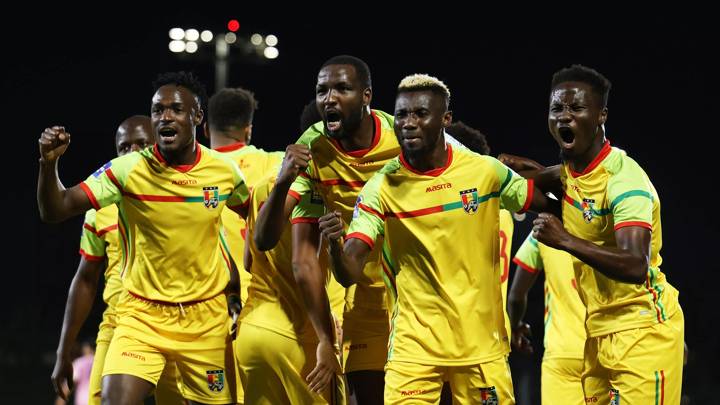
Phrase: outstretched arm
(56, 203)
(627, 262)
(311, 282)
(276, 210)
(79, 303)
(348, 259)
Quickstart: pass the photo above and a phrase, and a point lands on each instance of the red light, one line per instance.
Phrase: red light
(233, 25)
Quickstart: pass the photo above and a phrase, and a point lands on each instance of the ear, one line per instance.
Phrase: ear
(248, 134)
(367, 97)
(198, 118)
(206, 130)
(447, 119)
(603, 116)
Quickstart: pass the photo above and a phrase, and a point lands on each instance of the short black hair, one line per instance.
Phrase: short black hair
(231, 108)
(469, 136)
(184, 79)
(310, 115)
(361, 68)
(579, 73)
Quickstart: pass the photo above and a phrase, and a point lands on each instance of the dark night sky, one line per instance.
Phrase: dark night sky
(89, 74)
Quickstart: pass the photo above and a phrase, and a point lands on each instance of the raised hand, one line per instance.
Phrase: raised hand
(53, 142)
(296, 161)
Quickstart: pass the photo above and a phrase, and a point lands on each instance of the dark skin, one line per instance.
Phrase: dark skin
(311, 282)
(133, 135)
(516, 307)
(175, 113)
(420, 117)
(576, 117)
(344, 105)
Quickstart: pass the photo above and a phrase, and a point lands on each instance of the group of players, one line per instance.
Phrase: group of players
(373, 254)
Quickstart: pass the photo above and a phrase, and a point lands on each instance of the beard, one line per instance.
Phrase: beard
(349, 126)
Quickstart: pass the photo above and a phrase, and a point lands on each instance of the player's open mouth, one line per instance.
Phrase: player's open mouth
(566, 134)
(167, 134)
(333, 120)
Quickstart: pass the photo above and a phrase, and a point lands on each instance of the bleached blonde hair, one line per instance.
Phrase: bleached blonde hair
(421, 81)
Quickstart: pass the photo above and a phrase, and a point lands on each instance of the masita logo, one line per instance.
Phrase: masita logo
(438, 187)
(184, 182)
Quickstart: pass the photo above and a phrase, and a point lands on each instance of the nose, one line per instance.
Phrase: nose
(167, 115)
(330, 98)
(564, 116)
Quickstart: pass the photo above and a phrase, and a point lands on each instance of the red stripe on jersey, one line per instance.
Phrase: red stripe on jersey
(524, 266)
(416, 213)
(304, 220)
(106, 230)
(606, 149)
(231, 147)
(362, 237)
(90, 257)
(90, 195)
(341, 182)
(633, 223)
(432, 172)
(294, 194)
(530, 192)
(371, 210)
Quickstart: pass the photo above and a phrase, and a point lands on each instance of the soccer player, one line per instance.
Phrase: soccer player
(336, 293)
(611, 226)
(280, 324)
(564, 338)
(174, 269)
(229, 128)
(347, 148)
(437, 210)
(100, 254)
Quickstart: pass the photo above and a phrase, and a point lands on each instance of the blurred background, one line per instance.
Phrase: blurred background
(89, 73)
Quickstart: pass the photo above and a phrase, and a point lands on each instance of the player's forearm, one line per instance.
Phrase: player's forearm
(346, 269)
(615, 263)
(50, 193)
(79, 303)
(516, 309)
(272, 218)
(311, 283)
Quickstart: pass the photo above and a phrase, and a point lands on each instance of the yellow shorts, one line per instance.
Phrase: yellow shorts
(485, 383)
(561, 381)
(273, 368)
(167, 391)
(104, 336)
(636, 366)
(365, 339)
(195, 337)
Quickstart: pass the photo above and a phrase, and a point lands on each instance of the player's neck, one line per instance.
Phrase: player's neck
(582, 162)
(219, 139)
(435, 158)
(184, 156)
(362, 137)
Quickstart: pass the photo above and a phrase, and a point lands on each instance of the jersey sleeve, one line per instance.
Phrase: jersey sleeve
(105, 185)
(240, 195)
(309, 208)
(515, 190)
(528, 255)
(92, 245)
(631, 196)
(368, 220)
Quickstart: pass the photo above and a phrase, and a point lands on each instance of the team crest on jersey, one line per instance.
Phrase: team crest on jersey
(216, 380)
(102, 170)
(489, 396)
(211, 197)
(587, 209)
(356, 210)
(470, 200)
(614, 397)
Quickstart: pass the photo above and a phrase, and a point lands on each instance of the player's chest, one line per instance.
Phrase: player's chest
(586, 209)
